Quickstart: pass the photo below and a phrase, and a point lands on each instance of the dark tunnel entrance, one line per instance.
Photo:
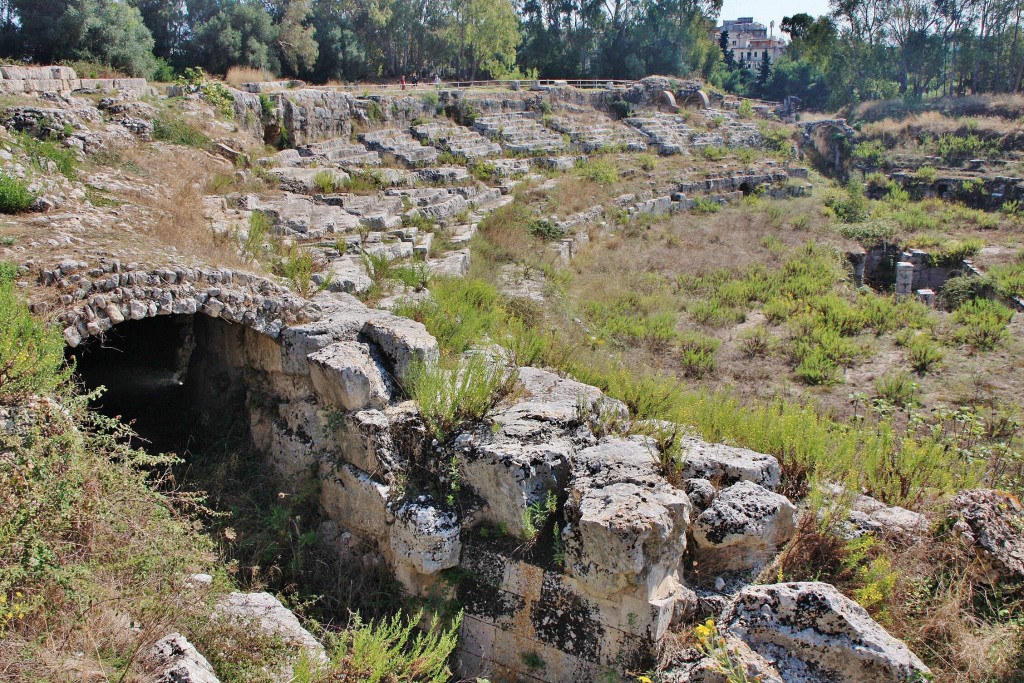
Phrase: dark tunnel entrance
(143, 365)
(165, 377)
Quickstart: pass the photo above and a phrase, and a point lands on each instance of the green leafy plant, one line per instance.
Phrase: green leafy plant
(703, 205)
(31, 353)
(452, 393)
(898, 388)
(394, 649)
(327, 182)
(15, 196)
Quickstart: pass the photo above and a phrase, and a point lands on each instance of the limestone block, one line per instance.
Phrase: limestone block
(346, 375)
(354, 500)
(267, 613)
(425, 537)
(341, 317)
(743, 527)
(626, 526)
(404, 342)
(990, 522)
(814, 634)
(693, 666)
(725, 465)
(175, 660)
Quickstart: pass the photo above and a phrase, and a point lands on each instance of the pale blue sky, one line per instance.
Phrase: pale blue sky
(767, 10)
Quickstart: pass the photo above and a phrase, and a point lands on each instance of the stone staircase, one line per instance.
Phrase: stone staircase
(462, 142)
(402, 146)
(591, 136)
(520, 133)
(668, 133)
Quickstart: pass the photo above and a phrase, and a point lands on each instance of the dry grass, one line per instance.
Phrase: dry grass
(176, 182)
(238, 75)
(934, 123)
(1006, 106)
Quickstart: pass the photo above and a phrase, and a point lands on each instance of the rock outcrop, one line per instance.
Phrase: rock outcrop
(992, 524)
(743, 527)
(173, 659)
(812, 633)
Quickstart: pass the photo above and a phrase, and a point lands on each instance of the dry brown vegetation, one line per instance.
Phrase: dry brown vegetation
(238, 75)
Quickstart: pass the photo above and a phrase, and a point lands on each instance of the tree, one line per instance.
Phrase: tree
(240, 34)
(766, 69)
(485, 34)
(797, 25)
(104, 31)
(296, 42)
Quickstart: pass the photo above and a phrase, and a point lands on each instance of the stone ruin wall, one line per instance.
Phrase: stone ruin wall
(318, 384)
(34, 80)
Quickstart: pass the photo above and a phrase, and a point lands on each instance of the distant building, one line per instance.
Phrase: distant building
(748, 39)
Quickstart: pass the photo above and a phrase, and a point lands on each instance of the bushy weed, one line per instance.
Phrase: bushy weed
(15, 196)
(458, 391)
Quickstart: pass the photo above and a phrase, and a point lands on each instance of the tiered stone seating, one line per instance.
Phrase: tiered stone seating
(520, 133)
(402, 146)
(669, 134)
(341, 152)
(458, 140)
(590, 136)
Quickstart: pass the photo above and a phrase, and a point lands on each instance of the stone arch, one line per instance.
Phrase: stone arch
(693, 98)
(89, 301)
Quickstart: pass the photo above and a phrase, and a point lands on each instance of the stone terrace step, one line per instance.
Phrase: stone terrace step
(402, 146)
(457, 140)
(520, 133)
(590, 136)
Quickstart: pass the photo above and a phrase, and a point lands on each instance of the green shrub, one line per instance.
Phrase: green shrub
(713, 153)
(14, 195)
(926, 174)
(964, 288)
(396, 649)
(982, 323)
(297, 266)
(715, 313)
(924, 354)
(546, 229)
(777, 139)
(870, 233)
(745, 110)
(31, 353)
(817, 368)
(897, 388)
(703, 205)
(458, 313)
(599, 171)
(647, 161)
(327, 182)
(954, 147)
(697, 354)
(453, 393)
(755, 341)
(178, 132)
(870, 153)
(850, 205)
(260, 227)
(484, 171)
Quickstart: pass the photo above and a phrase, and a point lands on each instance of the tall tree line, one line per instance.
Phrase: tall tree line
(862, 49)
(881, 49)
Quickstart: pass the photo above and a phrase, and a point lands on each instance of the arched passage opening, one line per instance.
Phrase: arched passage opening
(163, 376)
(214, 393)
